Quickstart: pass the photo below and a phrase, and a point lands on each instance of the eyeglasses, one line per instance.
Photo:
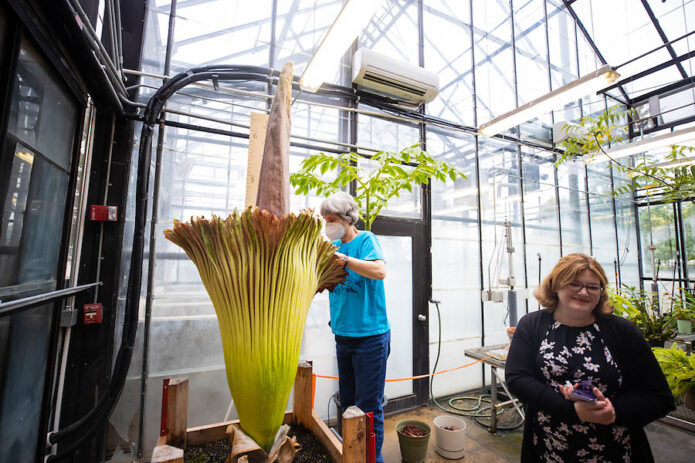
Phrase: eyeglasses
(592, 289)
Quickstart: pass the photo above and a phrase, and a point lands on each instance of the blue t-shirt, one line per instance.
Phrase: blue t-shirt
(358, 305)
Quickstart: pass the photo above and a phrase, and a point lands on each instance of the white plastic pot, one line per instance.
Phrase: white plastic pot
(449, 442)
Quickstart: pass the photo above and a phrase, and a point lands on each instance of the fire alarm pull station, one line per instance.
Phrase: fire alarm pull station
(92, 313)
(103, 213)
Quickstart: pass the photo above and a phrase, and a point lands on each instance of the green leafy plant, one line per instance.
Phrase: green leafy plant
(593, 134)
(637, 306)
(678, 367)
(683, 304)
(392, 173)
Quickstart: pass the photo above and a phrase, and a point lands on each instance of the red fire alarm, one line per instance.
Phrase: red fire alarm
(91, 313)
(104, 213)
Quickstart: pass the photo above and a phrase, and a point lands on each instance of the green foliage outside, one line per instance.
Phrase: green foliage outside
(374, 188)
(594, 134)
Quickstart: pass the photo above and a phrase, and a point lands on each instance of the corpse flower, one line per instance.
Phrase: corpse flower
(262, 268)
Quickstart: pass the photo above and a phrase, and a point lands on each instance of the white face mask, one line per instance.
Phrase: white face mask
(334, 231)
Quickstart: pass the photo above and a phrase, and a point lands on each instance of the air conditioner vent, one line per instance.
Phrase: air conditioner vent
(396, 79)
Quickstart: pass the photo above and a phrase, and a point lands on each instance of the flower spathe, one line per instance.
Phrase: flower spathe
(261, 273)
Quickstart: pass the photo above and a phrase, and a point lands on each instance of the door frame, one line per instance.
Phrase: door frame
(416, 230)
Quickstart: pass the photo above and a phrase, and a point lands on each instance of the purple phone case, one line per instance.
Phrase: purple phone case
(586, 395)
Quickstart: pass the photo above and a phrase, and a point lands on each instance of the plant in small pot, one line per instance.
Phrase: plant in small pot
(683, 310)
(413, 437)
(679, 369)
(449, 432)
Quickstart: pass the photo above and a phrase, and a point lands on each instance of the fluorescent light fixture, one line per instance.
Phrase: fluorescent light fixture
(585, 85)
(660, 141)
(353, 17)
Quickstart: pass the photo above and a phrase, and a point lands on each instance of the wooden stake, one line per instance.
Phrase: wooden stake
(354, 435)
(177, 412)
(301, 406)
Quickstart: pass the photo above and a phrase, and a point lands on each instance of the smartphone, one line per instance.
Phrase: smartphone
(587, 395)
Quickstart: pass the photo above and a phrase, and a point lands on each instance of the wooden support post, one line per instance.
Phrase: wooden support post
(301, 406)
(177, 412)
(354, 436)
(167, 454)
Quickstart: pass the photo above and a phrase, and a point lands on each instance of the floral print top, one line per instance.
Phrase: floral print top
(578, 354)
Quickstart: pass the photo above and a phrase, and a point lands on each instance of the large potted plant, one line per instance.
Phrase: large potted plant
(679, 369)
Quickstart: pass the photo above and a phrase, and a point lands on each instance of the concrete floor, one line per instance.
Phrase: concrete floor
(669, 445)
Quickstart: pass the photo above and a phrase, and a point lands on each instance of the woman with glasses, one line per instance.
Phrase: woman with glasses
(587, 378)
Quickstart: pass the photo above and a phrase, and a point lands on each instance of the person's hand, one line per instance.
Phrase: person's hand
(567, 391)
(342, 258)
(600, 412)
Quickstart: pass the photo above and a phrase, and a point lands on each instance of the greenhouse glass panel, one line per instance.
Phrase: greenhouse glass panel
(455, 261)
(541, 217)
(383, 135)
(688, 214)
(603, 237)
(532, 64)
(657, 227)
(300, 27)
(627, 237)
(500, 199)
(574, 219)
(448, 52)
(494, 61)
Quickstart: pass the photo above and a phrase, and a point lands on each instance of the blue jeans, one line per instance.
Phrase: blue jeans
(362, 371)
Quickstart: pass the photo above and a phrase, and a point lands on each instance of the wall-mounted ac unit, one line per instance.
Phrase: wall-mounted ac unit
(396, 79)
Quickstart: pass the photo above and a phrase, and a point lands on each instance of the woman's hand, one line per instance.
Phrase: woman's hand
(567, 391)
(342, 257)
(600, 412)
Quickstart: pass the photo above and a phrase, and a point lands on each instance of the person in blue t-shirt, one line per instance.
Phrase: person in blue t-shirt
(358, 312)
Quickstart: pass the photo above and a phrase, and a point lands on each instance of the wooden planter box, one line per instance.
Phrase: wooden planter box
(170, 446)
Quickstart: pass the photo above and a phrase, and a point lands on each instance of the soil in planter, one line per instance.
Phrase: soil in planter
(411, 430)
(212, 452)
(312, 451)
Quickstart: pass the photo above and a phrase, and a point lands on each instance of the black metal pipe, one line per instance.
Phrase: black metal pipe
(152, 261)
(12, 307)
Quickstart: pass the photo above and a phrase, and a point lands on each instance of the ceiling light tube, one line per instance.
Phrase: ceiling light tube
(660, 141)
(353, 17)
(585, 85)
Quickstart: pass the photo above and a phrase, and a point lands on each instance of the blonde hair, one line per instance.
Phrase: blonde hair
(567, 270)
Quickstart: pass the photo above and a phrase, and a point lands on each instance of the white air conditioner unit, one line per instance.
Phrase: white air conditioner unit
(396, 79)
